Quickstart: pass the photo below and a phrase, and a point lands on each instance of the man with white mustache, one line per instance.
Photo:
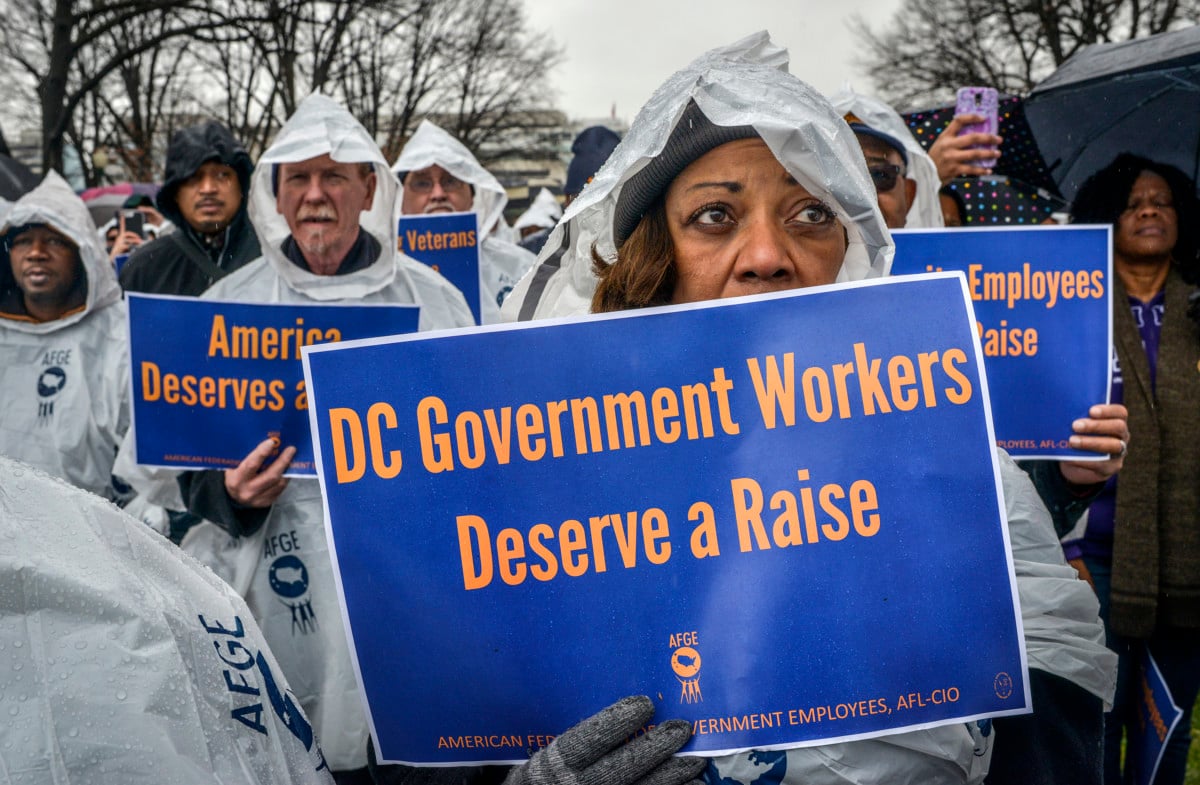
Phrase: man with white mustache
(321, 199)
(325, 208)
(438, 174)
(434, 190)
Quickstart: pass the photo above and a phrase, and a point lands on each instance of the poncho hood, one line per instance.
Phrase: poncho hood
(431, 145)
(744, 84)
(126, 660)
(543, 213)
(926, 210)
(54, 204)
(321, 126)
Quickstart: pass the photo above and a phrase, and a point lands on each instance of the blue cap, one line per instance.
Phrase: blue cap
(591, 148)
(859, 127)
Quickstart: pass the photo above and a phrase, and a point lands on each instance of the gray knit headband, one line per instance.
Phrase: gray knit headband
(693, 136)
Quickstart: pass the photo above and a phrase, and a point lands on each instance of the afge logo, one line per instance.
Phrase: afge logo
(1003, 685)
(49, 384)
(248, 676)
(289, 579)
(685, 664)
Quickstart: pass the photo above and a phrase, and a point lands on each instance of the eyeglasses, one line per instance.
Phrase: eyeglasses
(885, 176)
(424, 184)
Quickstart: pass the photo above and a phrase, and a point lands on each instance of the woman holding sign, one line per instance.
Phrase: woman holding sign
(1140, 544)
(736, 179)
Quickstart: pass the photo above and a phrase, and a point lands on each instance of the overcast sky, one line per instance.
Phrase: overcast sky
(621, 50)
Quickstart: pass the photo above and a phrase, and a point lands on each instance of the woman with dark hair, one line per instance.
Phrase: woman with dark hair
(1107, 196)
(954, 209)
(1139, 544)
(687, 117)
(736, 178)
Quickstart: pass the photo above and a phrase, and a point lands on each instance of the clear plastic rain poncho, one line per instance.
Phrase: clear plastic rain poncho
(290, 586)
(501, 263)
(322, 126)
(123, 662)
(543, 213)
(926, 211)
(65, 383)
(1059, 610)
(747, 84)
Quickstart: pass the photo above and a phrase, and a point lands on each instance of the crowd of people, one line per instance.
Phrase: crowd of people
(735, 178)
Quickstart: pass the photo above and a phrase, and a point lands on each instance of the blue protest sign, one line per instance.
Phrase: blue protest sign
(1157, 716)
(1043, 300)
(749, 510)
(449, 244)
(210, 379)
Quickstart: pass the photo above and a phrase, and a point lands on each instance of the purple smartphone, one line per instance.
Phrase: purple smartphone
(984, 101)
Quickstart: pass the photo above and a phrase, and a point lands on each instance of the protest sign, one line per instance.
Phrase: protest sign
(1043, 300)
(449, 244)
(1157, 715)
(211, 379)
(746, 509)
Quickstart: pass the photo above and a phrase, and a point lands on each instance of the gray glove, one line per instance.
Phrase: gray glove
(594, 752)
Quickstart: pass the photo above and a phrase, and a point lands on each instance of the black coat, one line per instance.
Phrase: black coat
(181, 263)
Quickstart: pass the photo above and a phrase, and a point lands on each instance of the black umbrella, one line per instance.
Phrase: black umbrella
(1019, 155)
(1140, 96)
(16, 179)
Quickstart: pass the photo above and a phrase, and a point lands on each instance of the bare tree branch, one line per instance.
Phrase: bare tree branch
(125, 73)
(931, 47)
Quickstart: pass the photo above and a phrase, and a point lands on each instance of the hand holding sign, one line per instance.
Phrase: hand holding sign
(250, 485)
(1043, 312)
(789, 452)
(595, 751)
(1104, 431)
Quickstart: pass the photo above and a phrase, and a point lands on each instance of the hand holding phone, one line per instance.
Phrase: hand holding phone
(983, 101)
(134, 221)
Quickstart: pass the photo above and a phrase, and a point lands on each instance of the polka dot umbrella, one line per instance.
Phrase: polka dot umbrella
(1020, 158)
(1004, 200)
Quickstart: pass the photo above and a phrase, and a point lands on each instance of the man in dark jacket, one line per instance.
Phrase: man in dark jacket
(204, 195)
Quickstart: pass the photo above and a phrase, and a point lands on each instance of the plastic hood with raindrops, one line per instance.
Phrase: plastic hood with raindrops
(926, 210)
(65, 382)
(321, 126)
(501, 263)
(430, 145)
(745, 83)
(543, 213)
(124, 662)
(54, 204)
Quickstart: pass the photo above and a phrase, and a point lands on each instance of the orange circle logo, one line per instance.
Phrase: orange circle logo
(1003, 685)
(685, 662)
